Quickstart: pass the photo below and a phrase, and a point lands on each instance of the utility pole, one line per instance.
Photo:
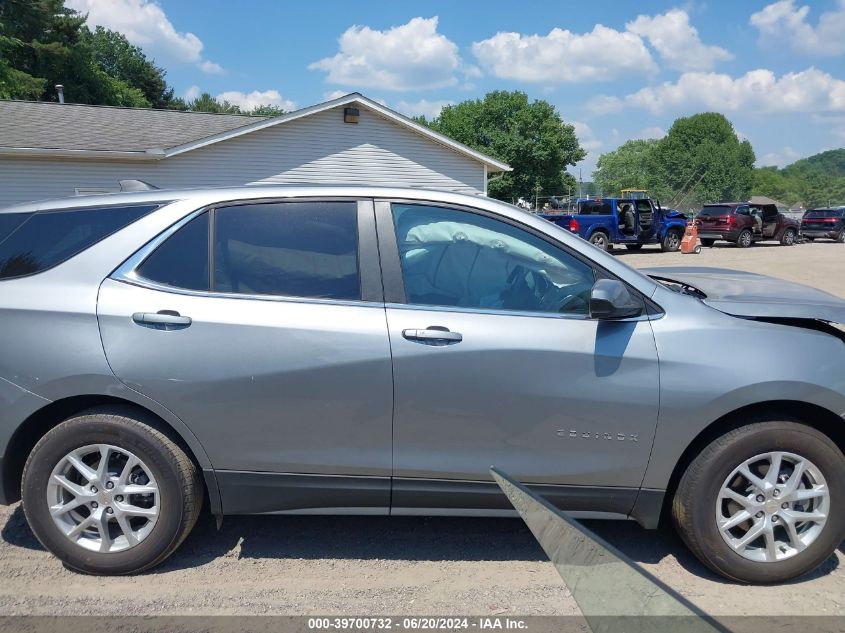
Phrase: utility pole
(580, 184)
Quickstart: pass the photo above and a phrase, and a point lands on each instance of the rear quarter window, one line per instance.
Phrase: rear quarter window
(32, 243)
(711, 211)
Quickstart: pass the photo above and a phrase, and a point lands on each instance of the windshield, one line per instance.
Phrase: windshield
(715, 210)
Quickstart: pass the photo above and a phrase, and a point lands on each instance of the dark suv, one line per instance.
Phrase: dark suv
(829, 223)
(744, 224)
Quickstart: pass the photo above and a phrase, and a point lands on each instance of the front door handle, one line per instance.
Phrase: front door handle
(433, 335)
(162, 320)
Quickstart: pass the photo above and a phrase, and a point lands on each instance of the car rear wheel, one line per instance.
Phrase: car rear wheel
(763, 503)
(788, 237)
(671, 241)
(107, 493)
(745, 238)
(707, 241)
(840, 237)
(600, 240)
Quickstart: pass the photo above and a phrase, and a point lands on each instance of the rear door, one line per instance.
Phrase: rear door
(262, 327)
(497, 363)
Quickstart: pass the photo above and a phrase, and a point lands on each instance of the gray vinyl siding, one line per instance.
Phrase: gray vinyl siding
(318, 148)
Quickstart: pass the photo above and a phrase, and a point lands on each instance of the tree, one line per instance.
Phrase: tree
(120, 60)
(267, 110)
(42, 44)
(701, 160)
(206, 103)
(530, 136)
(627, 167)
(815, 181)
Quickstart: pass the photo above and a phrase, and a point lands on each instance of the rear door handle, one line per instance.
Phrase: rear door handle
(162, 320)
(434, 335)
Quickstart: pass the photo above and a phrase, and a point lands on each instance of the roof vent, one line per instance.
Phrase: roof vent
(60, 89)
(350, 115)
(136, 185)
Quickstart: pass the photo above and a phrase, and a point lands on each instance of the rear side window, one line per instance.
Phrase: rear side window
(295, 249)
(595, 207)
(823, 213)
(292, 249)
(47, 238)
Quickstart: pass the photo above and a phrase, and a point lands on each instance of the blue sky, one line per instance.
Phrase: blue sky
(616, 70)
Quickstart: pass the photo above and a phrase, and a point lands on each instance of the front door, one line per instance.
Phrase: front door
(278, 360)
(497, 363)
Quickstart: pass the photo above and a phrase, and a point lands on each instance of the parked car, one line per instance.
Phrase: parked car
(744, 224)
(375, 350)
(633, 222)
(824, 223)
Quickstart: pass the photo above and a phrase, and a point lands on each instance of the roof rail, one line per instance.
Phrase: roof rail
(136, 185)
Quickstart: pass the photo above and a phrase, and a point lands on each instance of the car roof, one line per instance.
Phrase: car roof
(209, 195)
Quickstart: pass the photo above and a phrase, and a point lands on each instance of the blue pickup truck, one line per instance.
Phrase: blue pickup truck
(628, 221)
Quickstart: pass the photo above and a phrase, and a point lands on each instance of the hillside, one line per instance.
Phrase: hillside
(815, 181)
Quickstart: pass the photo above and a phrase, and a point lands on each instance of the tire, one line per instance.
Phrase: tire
(164, 468)
(634, 247)
(600, 240)
(671, 242)
(707, 241)
(745, 238)
(695, 508)
(840, 237)
(788, 237)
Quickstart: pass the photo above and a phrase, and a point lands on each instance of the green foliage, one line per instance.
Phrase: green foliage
(817, 181)
(121, 61)
(627, 167)
(206, 103)
(700, 160)
(529, 136)
(267, 110)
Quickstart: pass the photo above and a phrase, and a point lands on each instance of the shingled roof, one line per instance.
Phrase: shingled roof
(32, 128)
(70, 126)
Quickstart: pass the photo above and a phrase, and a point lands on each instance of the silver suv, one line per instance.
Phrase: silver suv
(374, 351)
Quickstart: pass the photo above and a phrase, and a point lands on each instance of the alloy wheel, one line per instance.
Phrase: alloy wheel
(772, 506)
(103, 498)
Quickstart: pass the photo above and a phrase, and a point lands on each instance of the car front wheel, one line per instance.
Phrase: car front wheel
(671, 241)
(763, 503)
(107, 493)
(788, 238)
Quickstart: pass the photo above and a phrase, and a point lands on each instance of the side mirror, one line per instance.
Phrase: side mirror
(610, 299)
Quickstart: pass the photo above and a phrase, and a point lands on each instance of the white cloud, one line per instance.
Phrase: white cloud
(423, 107)
(210, 68)
(677, 41)
(561, 56)
(412, 56)
(783, 24)
(650, 133)
(758, 91)
(586, 138)
(604, 104)
(334, 94)
(145, 24)
(781, 158)
(251, 100)
(192, 93)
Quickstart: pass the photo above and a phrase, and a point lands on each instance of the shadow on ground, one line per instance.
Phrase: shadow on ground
(396, 538)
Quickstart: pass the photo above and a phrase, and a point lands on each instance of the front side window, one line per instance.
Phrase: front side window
(32, 243)
(293, 249)
(461, 259)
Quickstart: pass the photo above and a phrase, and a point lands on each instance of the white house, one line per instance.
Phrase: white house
(49, 150)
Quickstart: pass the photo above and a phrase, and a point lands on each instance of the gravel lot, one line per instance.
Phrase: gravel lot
(350, 565)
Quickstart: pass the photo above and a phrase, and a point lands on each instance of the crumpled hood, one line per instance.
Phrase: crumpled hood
(752, 295)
